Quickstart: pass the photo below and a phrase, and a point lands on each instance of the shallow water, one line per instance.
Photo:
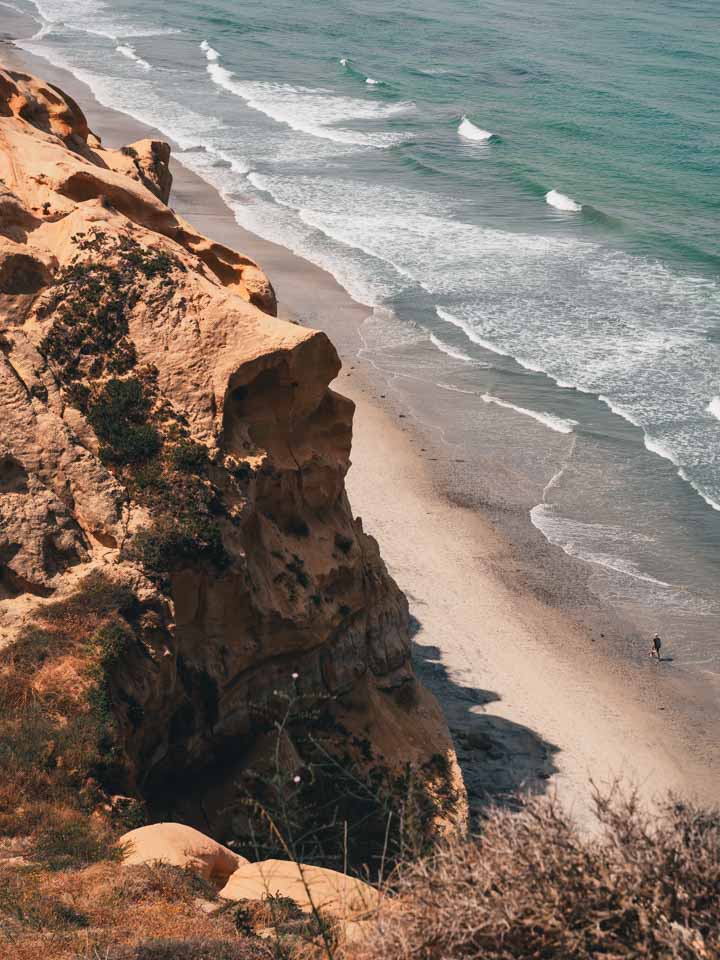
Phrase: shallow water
(525, 194)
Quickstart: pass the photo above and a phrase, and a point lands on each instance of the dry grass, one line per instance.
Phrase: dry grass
(151, 912)
(532, 887)
(57, 727)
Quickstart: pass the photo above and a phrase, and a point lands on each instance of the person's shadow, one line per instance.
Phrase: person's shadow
(500, 760)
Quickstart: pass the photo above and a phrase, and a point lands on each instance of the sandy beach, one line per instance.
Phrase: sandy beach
(535, 697)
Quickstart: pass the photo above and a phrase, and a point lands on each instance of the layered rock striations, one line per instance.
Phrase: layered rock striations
(176, 543)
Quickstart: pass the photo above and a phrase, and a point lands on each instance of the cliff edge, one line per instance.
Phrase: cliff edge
(187, 603)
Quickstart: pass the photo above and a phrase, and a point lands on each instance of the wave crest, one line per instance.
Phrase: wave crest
(317, 112)
(562, 202)
(129, 52)
(468, 131)
(714, 407)
(558, 424)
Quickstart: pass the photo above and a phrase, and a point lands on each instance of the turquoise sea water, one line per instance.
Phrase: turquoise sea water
(527, 187)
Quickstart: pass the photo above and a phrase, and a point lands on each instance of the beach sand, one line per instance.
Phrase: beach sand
(535, 697)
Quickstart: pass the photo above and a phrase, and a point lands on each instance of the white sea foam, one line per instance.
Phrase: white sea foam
(547, 419)
(469, 131)
(373, 83)
(472, 334)
(469, 331)
(209, 52)
(616, 336)
(561, 202)
(715, 504)
(581, 540)
(314, 111)
(667, 453)
(451, 351)
(127, 51)
(619, 411)
(659, 448)
(714, 407)
(455, 389)
(97, 18)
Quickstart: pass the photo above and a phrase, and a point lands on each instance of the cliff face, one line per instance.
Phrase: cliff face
(163, 432)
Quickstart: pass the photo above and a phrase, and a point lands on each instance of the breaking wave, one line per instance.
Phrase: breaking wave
(561, 202)
(547, 419)
(453, 352)
(127, 51)
(581, 540)
(714, 407)
(314, 111)
(469, 131)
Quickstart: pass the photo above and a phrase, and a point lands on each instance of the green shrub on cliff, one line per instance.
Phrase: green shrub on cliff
(142, 440)
(119, 415)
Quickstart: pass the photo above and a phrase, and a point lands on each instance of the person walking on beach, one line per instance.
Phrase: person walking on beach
(656, 644)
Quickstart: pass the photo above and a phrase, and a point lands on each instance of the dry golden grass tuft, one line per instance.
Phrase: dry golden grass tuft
(58, 743)
(532, 886)
(148, 912)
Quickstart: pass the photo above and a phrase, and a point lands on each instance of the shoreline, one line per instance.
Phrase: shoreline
(530, 696)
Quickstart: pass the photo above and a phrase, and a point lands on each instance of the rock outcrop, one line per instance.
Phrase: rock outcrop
(163, 431)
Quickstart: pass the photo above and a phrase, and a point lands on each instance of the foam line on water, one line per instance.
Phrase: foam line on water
(562, 202)
(572, 537)
(714, 407)
(652, 444)
(453, 352)
(96, 18)
(318, 112)
(210, 52)
(473, 335)
(558, 424)
(126, 50)
(662, 450)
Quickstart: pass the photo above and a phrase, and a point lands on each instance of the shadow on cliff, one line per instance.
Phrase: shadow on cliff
(499, 759)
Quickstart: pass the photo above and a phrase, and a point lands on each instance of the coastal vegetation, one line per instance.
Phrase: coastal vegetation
(528, 884)
(60, 747)
(142, 438)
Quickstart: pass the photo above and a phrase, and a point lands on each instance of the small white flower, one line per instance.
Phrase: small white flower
(296, 778)
(295, 676)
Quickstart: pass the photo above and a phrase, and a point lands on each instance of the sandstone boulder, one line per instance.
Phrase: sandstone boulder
(181, 846)
(326, 890)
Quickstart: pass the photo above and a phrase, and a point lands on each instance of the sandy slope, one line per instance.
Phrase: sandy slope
(525, 692)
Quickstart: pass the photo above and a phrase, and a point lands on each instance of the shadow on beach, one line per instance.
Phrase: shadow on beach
(499, 759)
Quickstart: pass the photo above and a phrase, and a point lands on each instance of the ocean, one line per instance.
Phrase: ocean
(525, 196)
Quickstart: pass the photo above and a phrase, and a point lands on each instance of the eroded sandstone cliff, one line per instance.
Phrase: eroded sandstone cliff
(176, 544)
